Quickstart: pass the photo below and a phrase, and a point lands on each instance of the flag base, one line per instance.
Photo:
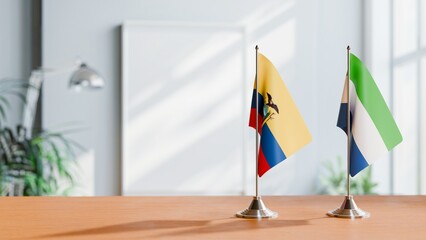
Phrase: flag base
(257, 209)
(348, 209)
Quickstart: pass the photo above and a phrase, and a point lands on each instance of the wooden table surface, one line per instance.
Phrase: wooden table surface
(300, 217)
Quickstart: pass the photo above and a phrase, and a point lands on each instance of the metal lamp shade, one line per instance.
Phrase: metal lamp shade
(86, 77)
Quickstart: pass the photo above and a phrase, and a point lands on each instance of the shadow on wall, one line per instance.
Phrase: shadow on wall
(187, 106)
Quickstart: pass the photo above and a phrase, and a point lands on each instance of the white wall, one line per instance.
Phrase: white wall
(15, 47)
(395, 50)
(305, 39)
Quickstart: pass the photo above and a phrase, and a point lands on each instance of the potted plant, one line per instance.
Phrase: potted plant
(333, 181)
(40, 164)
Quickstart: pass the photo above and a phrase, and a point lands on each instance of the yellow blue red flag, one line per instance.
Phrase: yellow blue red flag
(281, 127)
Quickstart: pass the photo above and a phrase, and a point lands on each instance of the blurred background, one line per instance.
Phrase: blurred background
(172, 115)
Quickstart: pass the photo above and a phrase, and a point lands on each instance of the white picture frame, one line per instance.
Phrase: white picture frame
(214, 77)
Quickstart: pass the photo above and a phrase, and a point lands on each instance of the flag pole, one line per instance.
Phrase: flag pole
(348, 126)
(257, 208)
(348, 209)
(257, 128)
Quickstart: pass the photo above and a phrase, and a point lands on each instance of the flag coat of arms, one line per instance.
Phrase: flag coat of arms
(374, 131)
(281, 127)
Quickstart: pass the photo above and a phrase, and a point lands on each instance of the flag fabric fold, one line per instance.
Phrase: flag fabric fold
(374, 131)
(281, 127)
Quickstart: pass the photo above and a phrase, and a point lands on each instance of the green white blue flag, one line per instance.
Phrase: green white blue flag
(374, 131)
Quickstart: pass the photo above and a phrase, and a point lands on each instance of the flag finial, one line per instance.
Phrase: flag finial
(257, 47)
(349, 48)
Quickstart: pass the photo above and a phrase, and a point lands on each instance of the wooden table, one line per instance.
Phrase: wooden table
(301, 217)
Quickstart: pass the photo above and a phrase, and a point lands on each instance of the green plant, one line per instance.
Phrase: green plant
(334, 180)
(35, 166)
(41, 164)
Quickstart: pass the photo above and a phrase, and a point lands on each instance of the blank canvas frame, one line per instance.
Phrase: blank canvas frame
(184, 108)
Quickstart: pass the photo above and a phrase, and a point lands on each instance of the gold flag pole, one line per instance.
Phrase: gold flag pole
(348, 209)
(257, 208)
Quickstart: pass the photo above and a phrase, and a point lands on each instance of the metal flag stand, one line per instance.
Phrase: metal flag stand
(257, 208)
(348, 209)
